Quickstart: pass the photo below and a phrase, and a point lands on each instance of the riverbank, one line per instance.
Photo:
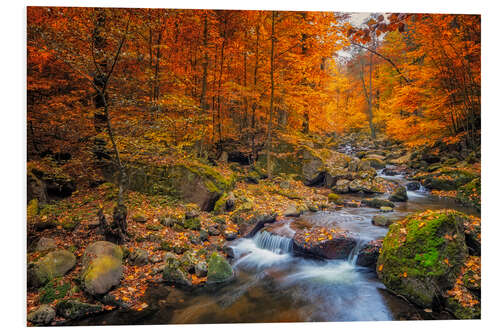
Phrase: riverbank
(168, 225)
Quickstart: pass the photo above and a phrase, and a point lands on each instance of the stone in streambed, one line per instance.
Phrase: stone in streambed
(381, 221)
(422, 255)
(219, 270)
(377, 203)
(399, 194)
(323, 243)
(368, 254)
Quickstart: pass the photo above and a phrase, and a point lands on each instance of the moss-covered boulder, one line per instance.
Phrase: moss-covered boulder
(377, 203)
(376, 163)
(42, 316)
(464, 299)
(174, 272)
(73, 309)
(446, 179)
(192, 223)
(423, 254)
(191, 181)
(54, 264)
(219, 270)
(46, 181)
(292, 155)
(470, 194)
(102, 267)
(399, 194)
(381, 221)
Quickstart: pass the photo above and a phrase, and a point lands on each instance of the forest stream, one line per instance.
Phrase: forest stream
(273, 285)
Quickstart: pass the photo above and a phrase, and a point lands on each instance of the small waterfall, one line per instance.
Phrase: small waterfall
(353, 256)
(272, 242)
(422, 189)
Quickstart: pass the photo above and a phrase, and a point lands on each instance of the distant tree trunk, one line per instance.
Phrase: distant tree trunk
(203, 97)
(118, 229)
(368, 94)
(219, 112)
(271, 101)
(254, 103)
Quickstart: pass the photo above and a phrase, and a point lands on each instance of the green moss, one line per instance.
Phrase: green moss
(219, 270)
(192, 224)
(32, 209)
(429, 249)
(333, 197)
(154, 227)
(470, 194)
(220, 204)
(53, 290)
(100, 266)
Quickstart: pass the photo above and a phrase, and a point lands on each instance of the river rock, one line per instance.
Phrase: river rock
(368, 254)
(422, 255)
(413, 186)
(342, 186)
(201, 269)
(389, 172)
(376, 163)
(138, 257)
(219, 270)
(102, 267)
(292, 211)
(386, 209)
(45, 244)
(381, 221)
(399, 194)
(323, 243)
(73, 309)
(377, 203)
(256, 222)
(174, 273)
(446, 179)
(53, 265)
(43, 315)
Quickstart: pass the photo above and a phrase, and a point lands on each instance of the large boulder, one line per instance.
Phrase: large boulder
(445, 179)
(300, 157)
(422, 255)
(323, 243)
(342, 186)
(376, 163)
(53, 265)
(190, 181)
(102, 267)
(44, 184)
(219, 270)
(399, 194)
(42, 316)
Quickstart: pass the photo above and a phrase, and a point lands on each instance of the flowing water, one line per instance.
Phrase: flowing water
(272, 285)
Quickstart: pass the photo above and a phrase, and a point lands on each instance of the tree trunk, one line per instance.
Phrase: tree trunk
(271, 101)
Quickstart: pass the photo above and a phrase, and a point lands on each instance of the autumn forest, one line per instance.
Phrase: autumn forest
(215, 166)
